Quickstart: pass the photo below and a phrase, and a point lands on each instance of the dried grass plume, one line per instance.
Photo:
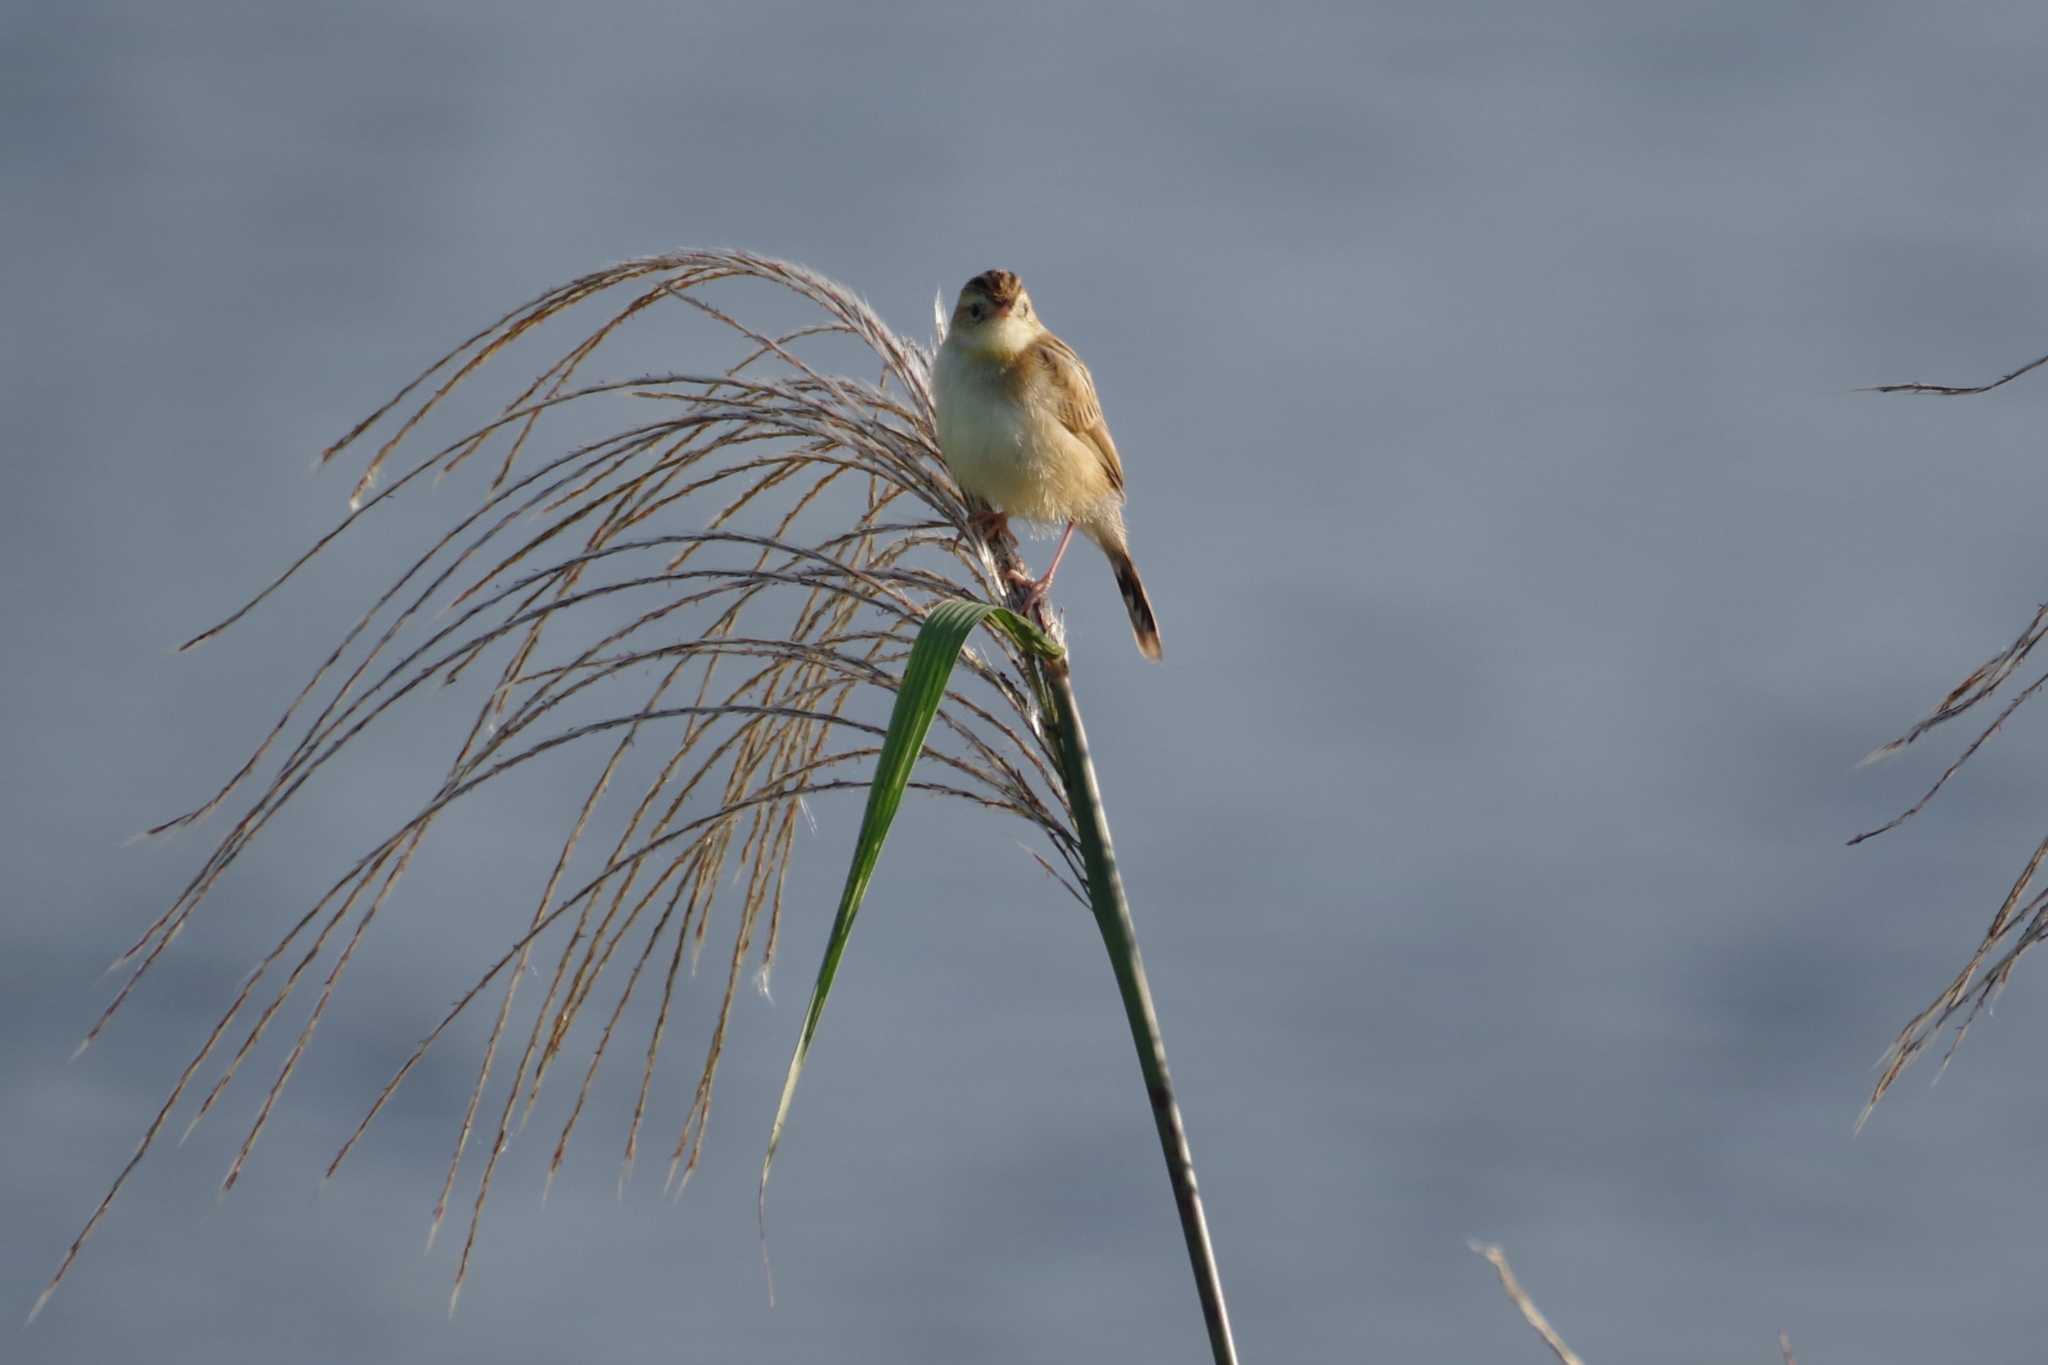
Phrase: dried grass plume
(730, 577)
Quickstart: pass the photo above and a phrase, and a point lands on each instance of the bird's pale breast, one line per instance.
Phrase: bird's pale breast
(1013, 452)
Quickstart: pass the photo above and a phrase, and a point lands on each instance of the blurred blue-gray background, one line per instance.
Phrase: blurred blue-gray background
(1532, 579)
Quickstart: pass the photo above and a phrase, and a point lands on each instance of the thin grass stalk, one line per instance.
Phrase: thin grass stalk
(754, 722)
(1120, 938)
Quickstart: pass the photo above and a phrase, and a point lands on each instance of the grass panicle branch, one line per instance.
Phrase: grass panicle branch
(745, 659)
(1960, 391)
(2021, 920)
(831, 566)
(1525, 1305)
(1540, 1325)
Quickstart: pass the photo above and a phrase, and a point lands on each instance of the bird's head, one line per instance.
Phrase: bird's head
(994, 315)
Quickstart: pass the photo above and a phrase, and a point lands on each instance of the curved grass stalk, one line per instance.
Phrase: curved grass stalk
(939, 643)
(769, 549)
(1120, 939)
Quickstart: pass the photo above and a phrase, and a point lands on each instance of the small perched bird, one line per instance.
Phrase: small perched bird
(1021, 429)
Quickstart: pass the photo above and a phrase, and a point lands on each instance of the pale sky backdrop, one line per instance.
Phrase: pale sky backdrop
(1532, 578)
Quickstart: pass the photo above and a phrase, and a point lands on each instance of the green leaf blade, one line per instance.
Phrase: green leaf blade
(923, 687)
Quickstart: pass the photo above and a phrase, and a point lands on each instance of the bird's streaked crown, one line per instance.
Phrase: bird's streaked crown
(999, 287)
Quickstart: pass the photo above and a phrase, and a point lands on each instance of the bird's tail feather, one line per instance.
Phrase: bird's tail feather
(1144, 625)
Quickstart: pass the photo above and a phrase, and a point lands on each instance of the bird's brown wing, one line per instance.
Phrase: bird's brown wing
(1074, 400)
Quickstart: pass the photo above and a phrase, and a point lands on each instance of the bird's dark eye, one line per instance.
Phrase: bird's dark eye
(974, 310)
(1023, 309)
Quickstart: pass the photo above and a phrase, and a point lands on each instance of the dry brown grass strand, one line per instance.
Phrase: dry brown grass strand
(1969, 751)
(783, 636)
(337, 728)
(801, 409)
(1982, 681)
(1954, 391)
(1525, 1305)
(2020, 923)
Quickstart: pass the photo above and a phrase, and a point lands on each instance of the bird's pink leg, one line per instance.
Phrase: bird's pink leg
(1066, 538)
(1034, 596)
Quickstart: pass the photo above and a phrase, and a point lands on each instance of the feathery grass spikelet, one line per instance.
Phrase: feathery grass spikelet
(756, 545)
